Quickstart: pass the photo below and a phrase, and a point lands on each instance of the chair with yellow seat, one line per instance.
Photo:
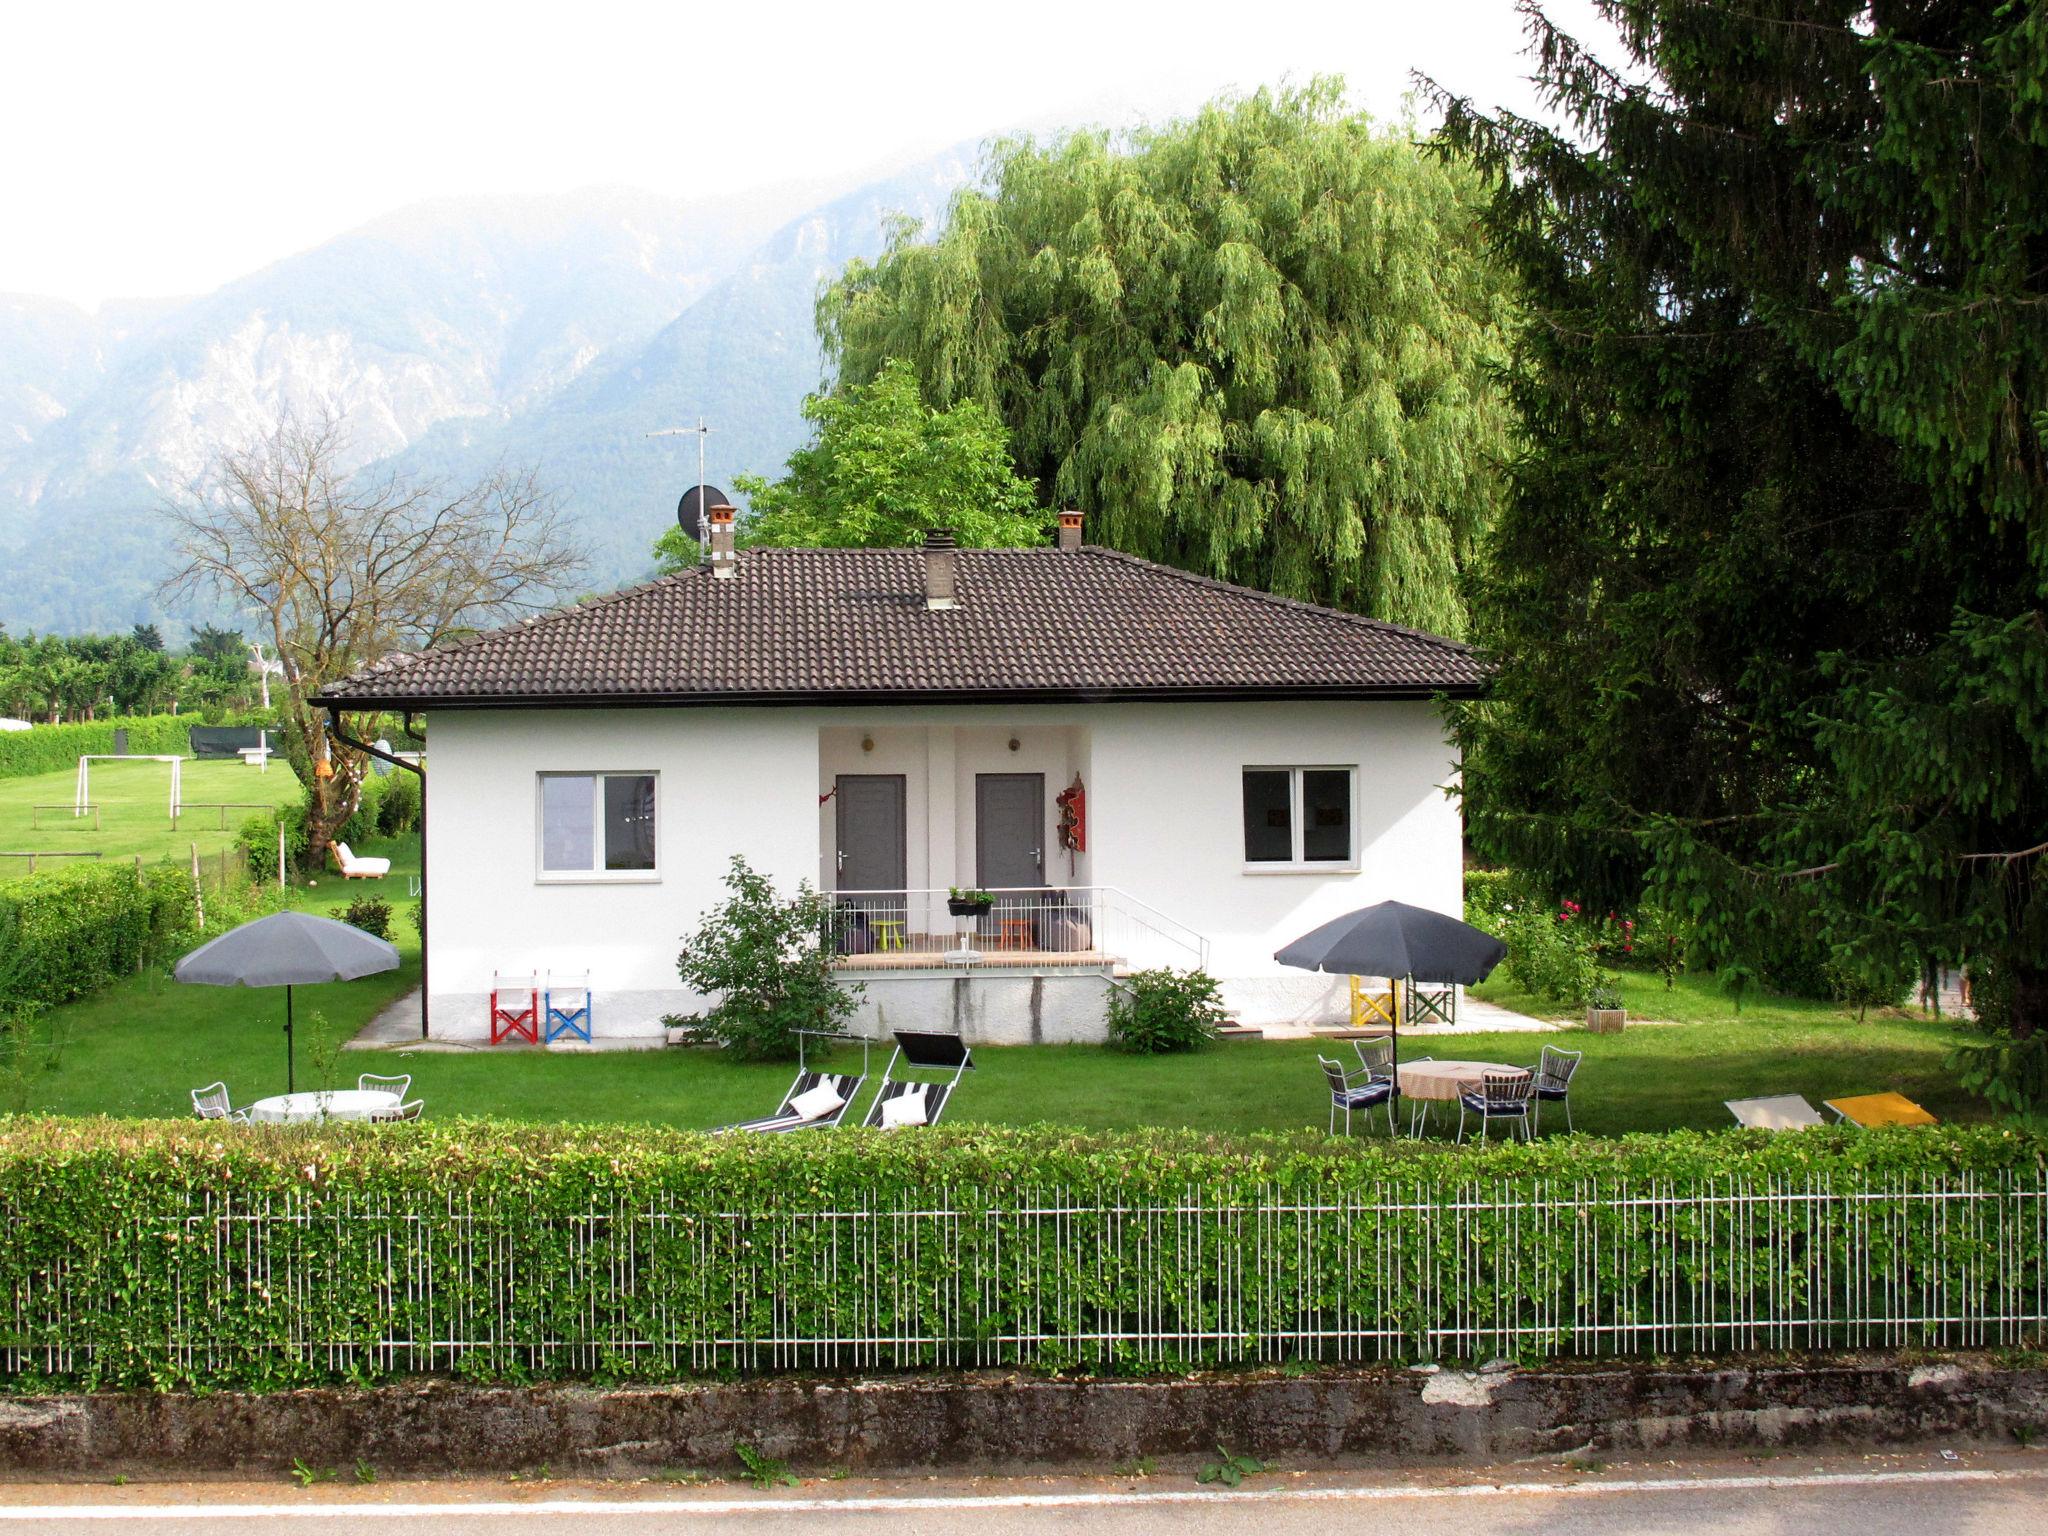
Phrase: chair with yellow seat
(1373, 1008)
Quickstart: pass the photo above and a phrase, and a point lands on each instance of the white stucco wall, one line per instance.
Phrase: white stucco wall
(1164, 826)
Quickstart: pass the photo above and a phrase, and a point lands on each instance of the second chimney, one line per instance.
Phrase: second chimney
(724, 560)
(940, 590)
(1070, 529)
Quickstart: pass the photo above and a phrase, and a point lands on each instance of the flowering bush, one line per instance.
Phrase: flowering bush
(1553, 953)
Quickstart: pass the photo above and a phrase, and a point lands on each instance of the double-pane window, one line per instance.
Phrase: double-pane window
(1298, 816)
(596, 823)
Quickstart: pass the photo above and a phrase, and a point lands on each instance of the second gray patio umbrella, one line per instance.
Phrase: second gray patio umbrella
(1401, 943)
(287, 949)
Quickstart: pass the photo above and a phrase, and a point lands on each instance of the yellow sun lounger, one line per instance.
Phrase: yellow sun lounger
(1871, 1109)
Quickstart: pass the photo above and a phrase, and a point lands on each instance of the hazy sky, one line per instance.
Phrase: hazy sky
(163, 149)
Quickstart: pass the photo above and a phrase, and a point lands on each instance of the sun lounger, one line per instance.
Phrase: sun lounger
(804, 1107)
(1785, 1112)
(1871, 1109)
(918, 1102)
(355, 867)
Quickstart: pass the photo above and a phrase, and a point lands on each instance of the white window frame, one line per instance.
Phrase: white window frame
(542, 875)
(1297, 822)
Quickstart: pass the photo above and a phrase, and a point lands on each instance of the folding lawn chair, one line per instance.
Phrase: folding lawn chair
(1783, 1112)
(509, 1021)
(805, 1107)
(1873, 1109)
(918, 1102)
(570, 1016)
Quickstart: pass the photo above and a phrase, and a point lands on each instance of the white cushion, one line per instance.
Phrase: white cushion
(904, 1109)
(816, 1103)
(344, 853)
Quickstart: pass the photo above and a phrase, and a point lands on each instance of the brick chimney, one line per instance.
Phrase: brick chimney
(1070, 529)
(940, 590)
(724, 561)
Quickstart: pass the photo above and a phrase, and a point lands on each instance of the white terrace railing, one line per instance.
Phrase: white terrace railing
(1060, 928)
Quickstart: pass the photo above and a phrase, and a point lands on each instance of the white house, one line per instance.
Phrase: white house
(1142, 767)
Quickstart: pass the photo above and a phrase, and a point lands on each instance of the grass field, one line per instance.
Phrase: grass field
(138, 1048)
(134, 811)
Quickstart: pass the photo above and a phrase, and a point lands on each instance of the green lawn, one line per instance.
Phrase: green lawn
(134, 803)
(138, 1049)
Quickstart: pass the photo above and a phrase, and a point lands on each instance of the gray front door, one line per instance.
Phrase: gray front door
(870, 814)
(1009, 830)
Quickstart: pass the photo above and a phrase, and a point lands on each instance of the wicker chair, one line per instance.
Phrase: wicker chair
(1509, 1096)
(1554, 1075)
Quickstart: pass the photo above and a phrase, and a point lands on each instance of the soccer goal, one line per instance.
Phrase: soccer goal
(81, 800)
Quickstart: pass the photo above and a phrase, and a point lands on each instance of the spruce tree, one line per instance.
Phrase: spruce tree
(1769, 594)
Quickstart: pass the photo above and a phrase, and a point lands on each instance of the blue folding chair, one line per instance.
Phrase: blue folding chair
(572, 1015)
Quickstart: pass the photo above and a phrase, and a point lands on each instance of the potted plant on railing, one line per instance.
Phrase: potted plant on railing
(1604, 1013)
(968, 903)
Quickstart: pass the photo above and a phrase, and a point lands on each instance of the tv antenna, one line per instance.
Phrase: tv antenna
(701, 433)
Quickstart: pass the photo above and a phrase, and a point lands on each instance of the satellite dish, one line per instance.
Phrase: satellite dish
(690, 509)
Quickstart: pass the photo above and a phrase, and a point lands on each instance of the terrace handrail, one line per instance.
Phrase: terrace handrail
(910, 928)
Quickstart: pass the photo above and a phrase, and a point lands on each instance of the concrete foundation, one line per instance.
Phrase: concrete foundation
(989, 1008)
(998, 1422)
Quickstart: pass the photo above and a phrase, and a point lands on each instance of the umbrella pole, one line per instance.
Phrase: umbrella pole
(289, 1085)
(1395, 1037)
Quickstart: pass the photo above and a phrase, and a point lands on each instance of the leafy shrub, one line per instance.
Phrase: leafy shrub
(416, 914)
(766, 961)
(362, 824)
(64, 936)
(2007, 1069)
(1163, 1010)
(105, 1288)
(1490, 894)
(398, 808)
(1552, 952)
(258, 840)
(47, 748)
(371, 914)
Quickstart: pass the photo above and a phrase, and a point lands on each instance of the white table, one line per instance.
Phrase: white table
(1449, 1080)
(326, 1104)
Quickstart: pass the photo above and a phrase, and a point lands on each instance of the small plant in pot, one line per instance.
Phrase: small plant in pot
(1604, 1013)
(968, 903)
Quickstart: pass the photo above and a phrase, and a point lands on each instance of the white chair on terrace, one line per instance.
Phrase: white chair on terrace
(355, 867)
(398, 1087)
(211, 1103)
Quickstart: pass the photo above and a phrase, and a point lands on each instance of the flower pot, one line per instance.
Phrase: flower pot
(970, 908)
(1606, 1021)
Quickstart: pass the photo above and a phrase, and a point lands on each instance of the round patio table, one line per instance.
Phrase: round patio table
(326, 1104)
(1447, 1080)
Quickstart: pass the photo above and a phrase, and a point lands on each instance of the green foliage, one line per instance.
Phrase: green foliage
(306, 1476)
(372, 914)
(416, 914)
(766, 961)
(1553, 951)
(112, 1277)
(1230, 1468)
(1258, 344)
(66, 935)
(1767, 592)
(49, 748)
(763, 1471)
(1604, 995)
(1165, 1010)
(398, 806)
(258, 840)
(883, 468)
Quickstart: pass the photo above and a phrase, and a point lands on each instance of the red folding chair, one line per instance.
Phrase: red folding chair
(509, 1021)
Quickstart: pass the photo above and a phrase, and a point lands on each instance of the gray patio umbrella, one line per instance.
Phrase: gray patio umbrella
(287, 949)
(1399, 942)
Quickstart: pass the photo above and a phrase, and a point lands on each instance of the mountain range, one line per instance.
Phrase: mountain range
(551, 331)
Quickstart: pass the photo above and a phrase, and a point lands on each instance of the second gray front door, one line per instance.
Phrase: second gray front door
(870, 831)
(1009, 830)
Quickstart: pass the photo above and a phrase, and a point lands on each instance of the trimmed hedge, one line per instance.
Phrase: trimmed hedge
(188, 1256)
(48, 748)
(65, 935)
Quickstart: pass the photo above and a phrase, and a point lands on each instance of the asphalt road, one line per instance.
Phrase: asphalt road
(2006, 1496)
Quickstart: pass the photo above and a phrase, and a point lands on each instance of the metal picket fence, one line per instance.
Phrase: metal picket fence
(666, 1287)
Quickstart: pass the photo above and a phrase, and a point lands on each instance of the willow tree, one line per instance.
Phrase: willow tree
(1769, 595)
(1258, 344)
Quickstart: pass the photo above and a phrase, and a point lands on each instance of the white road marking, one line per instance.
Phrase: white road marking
(502, 1508)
